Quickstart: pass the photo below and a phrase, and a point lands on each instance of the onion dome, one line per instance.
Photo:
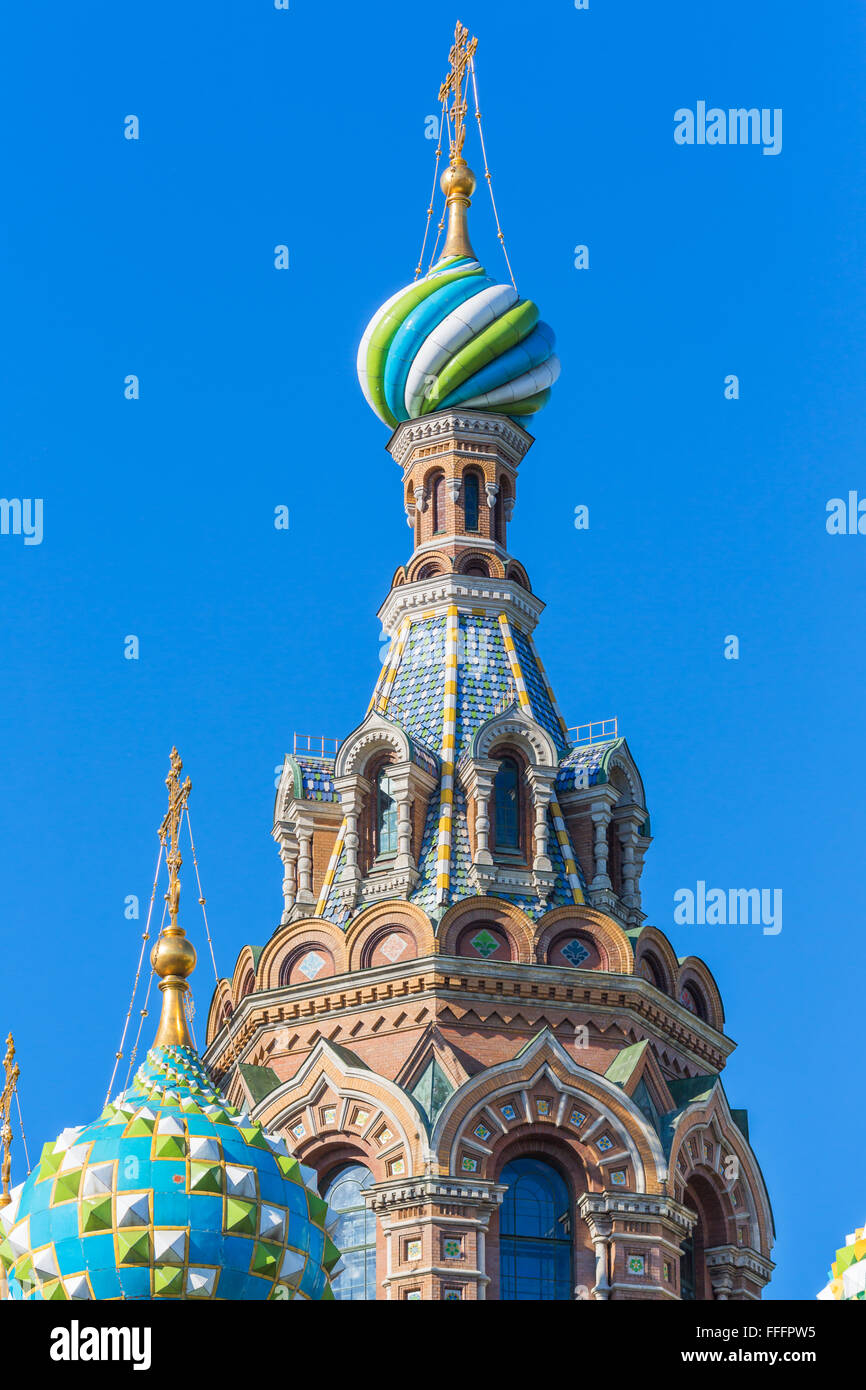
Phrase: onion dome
(172, 1193)
(848, 1273)
(456, 337)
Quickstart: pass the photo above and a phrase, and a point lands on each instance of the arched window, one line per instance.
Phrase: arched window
(470, 501)
(355, 1232)
(535, 1233)
(439, 502)
(506, 802)
(386, 815)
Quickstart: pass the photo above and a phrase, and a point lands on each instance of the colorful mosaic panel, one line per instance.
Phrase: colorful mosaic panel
(576, 1118)
(543, 1107)
(469, 1165)
(413, 1295)
(481, 1132)
(574, 952)
(311, 964)
(636, 1264)
(604, 1143)
(452, 1294)
(618, 1178)
(452, 1248)
(413, 1250)
(508, 1112)
(397, 1167)
(484, 943)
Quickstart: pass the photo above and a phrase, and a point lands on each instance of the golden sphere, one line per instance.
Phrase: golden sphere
(458, 180)
(173, 955)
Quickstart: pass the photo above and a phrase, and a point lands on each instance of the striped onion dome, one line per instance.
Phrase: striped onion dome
(456, 338)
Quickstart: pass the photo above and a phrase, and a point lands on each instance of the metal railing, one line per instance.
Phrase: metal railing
(599, 731)
(314, 746)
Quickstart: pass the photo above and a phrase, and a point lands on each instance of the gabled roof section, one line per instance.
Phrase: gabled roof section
(260, 1081)
(636, 1069)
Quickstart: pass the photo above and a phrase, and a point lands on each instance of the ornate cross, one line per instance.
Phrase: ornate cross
(459, 58)
(178, 794)
(11, 1074)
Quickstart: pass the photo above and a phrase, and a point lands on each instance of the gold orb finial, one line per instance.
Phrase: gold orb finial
(173, 957)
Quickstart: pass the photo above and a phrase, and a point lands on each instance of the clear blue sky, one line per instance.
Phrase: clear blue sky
(707, 516)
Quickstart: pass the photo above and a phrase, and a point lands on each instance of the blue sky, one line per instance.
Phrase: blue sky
(707, 516)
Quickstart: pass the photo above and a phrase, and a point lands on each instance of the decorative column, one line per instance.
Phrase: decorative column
(305, 901)
(478, 779)
(600, 1227)
(289, 856)
(601, 821)
(352, 791)
(628, 821)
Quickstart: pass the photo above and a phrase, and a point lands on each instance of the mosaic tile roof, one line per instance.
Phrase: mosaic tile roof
(588, 761)
(485, 684)
(171, 1194)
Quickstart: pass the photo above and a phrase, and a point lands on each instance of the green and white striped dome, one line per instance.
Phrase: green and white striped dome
(456, 338)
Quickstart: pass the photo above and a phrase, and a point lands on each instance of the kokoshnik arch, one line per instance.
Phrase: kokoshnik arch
(508, 1084)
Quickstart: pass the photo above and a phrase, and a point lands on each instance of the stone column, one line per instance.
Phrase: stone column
(628, 821)
(601, 821)
(541, 781)
(352, 791)
(305, 900)
(289, 856)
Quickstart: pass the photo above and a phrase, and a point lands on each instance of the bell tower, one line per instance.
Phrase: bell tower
(463, 1016)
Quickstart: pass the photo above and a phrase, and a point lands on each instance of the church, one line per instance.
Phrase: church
(508, 1084)
(463, 1065)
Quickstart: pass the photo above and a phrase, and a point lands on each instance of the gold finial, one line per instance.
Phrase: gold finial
(458, 180)
(173, 957)
(10, 1082)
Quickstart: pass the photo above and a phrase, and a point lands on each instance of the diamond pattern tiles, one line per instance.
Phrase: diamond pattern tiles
(415, 702)
(171, 1193)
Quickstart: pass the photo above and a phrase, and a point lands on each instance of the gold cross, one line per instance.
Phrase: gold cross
(12, 1073)
(178, 794)
(460, 57)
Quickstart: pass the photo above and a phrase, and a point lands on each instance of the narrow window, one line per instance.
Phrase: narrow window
(439, 503)
(386, 815)
(470, 501)
(506, 792)
(355, 1230)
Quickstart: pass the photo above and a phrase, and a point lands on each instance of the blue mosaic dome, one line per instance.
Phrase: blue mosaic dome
(171, 1193)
